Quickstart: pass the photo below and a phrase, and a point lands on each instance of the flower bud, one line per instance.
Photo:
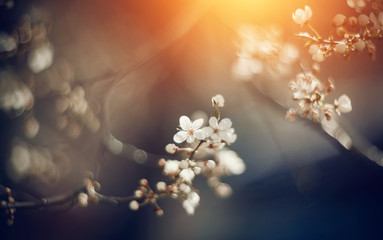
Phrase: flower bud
(161, 186)
(338, 20)
(134, 205)
(341, 48)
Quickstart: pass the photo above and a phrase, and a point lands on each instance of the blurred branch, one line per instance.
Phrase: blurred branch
(61, 200)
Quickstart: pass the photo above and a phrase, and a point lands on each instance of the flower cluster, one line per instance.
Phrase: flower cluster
(89, 194)
(310, 93)
(6, 198)
(15, 97)
(262, 52)
(356, 33)
(211, 139)
(76, 112)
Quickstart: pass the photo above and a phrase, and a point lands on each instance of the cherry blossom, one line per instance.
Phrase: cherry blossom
(187, 175)
(190, 130)
(230, 162)
(220, 131)
(302, 16)
(191, 203)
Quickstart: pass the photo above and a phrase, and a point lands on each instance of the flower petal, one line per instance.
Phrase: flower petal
(201, 134)
(215, 137)
(224, 124)
(185, 123)
(213, 122)
(190, 138)
(180, 136)
(197, 123)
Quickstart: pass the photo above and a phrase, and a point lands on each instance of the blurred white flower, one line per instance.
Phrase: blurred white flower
(82, 199)
(341, 48)
(231, 162)
(357, 4)
(172, 167)
(363, 20)
(302, 16)
(190, 130)
(191, 203)
(187, 175)
(316, 53)
(343, 104)
(41, 58)
(245, 67)
(378, 22)
(338, 20)
(360, 45)
(262, 51)
(7, 43)
(223, 190)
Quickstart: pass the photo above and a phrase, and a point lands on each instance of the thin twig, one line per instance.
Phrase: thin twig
(195, 150)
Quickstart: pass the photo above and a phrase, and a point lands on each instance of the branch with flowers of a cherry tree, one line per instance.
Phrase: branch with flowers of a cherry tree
(215, 160)
(262, 54)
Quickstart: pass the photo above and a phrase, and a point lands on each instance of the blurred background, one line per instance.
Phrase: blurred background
(73, 73)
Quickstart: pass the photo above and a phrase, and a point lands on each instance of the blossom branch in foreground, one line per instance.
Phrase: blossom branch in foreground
(213, 140)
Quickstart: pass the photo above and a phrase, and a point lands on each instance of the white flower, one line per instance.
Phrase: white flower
(190, 130)
(220, 131)
(302, 16)
(218, 100)
(191, 203)
(304, 86)
(343, 104)
(187, 175)
(231, 162)
(172, 167)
